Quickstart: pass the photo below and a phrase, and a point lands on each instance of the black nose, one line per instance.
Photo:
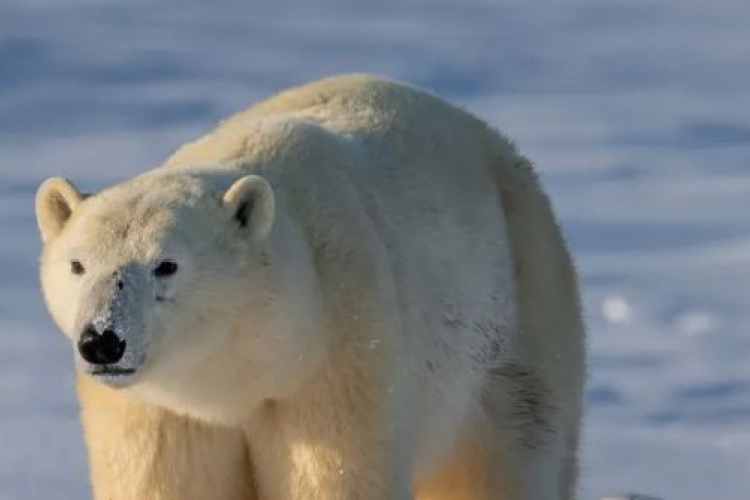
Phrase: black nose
(100, 349)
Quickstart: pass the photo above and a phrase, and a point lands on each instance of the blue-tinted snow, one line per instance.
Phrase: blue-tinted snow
(637, 114)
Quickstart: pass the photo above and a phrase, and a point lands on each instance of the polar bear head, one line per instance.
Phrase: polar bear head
(151, 278)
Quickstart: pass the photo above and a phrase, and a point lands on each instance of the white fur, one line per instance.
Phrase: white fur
(396, 316)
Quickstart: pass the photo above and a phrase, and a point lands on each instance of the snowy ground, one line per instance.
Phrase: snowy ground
(636, 112)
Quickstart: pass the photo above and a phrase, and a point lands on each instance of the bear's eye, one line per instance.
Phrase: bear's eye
(77, 268)
(165, 268)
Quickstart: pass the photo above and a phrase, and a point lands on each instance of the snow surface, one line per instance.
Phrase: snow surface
(637, 114)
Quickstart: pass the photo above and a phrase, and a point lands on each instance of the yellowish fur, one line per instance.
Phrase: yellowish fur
(399, 320)
(138, 451)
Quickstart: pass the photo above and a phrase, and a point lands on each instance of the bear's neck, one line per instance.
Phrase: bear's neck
(294, 312)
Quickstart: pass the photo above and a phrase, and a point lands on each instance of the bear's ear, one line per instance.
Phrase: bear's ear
(250, 204)
(56, 199)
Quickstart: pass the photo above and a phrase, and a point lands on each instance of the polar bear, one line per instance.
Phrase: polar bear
(352, 290)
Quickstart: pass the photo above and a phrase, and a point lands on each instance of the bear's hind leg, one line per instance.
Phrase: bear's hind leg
(517, 447)
(479, 467)
(540, 429)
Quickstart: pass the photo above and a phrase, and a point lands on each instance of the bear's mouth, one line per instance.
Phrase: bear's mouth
(112, 371)
(113, 376)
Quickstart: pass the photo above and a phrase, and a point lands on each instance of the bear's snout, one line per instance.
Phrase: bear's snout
(100, 348)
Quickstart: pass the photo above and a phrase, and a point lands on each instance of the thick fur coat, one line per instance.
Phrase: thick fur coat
(352, 290)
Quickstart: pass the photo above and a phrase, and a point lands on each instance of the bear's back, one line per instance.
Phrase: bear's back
(382, 114)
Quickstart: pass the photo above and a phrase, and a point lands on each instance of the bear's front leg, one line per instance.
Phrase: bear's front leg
(337, 440)
(140, 452)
